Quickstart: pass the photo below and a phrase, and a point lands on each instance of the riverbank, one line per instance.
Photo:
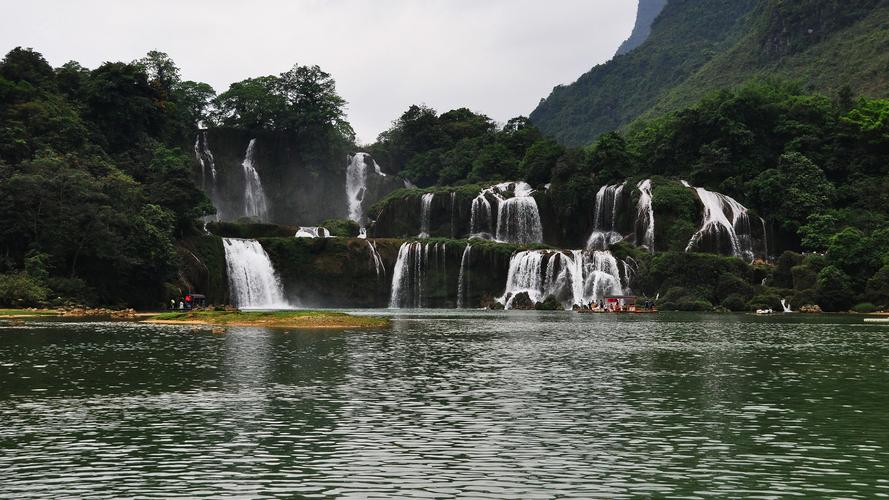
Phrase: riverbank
(282, 319)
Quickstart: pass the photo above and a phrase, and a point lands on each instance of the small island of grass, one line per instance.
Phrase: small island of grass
(282, 319)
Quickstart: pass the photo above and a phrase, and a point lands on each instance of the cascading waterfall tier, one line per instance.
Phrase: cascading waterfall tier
(463, 277)
(645, 215)
(426, 214)
(725, 226)
(356, 184)
(609, 200)
(419, 271)
(570, 277)
(252, 279)
(518, 218)
(255, 202)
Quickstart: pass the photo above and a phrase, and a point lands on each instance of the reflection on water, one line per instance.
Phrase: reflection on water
(480, 404)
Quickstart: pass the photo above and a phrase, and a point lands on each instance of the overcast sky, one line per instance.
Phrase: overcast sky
(498, 57)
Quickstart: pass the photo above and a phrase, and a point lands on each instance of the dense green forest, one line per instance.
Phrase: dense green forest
(697, 46)
(96, 180)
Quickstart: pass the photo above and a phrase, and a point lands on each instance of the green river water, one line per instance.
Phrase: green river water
(474, 404)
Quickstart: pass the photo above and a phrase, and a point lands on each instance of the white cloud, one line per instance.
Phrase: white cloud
(498, 57)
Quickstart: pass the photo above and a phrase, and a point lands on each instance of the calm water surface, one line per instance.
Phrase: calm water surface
(487, 405)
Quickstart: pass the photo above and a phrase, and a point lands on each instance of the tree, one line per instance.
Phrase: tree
(161, 70)
(539, 160)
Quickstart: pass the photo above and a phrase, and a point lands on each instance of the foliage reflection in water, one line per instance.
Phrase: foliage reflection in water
(484, 404)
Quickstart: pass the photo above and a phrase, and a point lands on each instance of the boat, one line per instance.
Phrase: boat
(619, 304)
(876, 320)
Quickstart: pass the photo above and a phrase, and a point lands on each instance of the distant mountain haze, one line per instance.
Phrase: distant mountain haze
(698, 46)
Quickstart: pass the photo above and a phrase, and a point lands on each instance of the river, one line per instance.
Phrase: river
(480, 404)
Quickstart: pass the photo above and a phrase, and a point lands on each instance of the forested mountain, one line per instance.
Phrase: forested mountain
(645, 16)
(697, 46)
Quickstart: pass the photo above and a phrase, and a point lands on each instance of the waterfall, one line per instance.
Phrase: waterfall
(255, 203)
(575, 277)
(418, 272)
(645, 215)
(786, 306)
(205, 157)
(312, 232)
(608, 202)
(518, 220)
(481, 218)
(725, 221)
(356, 185)
(463, 278)
(375, 258)
(425, 213)
(362, 233)
(251, 276)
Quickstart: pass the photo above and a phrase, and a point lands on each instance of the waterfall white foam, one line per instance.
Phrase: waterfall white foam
(375, 258)
(723, 218)
(481, 218)
(786, 306)
(570, 277)
(255, 203)
(312, 232)
(356, 185)
(605, 217)
(425, 213)
(645, 215)
(419, 269)
(252, 280)
(463, 277)
(518, 218)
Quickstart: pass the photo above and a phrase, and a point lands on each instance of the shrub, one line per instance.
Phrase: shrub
(835, 290)
(864, 308)
(343, 228)
(21, 290)
(735, 303)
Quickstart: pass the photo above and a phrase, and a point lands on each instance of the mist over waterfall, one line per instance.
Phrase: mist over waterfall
(252, 279)
(255, 202)
(645, 215)
(413, 279)
(605, 233)
(725, 226)
(570, 277)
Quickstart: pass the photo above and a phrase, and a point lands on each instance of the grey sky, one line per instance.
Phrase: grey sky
(498, 57)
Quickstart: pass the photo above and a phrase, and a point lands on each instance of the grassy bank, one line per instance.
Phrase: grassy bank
(284, 319)
(24, 313)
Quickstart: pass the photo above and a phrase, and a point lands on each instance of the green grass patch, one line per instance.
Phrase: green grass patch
(26, 312)
(290, 319)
